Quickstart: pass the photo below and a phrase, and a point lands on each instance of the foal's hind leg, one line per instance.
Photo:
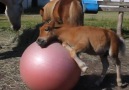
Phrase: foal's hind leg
(118, 70)
(105, 65)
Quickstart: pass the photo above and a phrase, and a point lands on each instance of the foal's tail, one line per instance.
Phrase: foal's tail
(76, 14)
(122, 47)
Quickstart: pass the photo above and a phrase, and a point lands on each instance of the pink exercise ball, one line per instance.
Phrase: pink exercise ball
(49, 68)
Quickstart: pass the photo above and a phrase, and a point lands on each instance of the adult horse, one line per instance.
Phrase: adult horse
(63, 12)
(13, 12)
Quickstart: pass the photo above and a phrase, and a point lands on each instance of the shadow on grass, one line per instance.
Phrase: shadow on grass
(87, 82)
(28, 36)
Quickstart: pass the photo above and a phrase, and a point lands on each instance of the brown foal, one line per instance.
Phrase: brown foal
(86, 39)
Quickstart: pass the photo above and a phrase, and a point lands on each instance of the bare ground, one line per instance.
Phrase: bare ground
(10, 75)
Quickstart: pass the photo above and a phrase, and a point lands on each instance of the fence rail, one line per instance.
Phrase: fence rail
(110, 3)
(114, 9)
(122, 6)
(119, 7)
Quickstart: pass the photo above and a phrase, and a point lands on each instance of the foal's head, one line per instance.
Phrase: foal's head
(46, 34)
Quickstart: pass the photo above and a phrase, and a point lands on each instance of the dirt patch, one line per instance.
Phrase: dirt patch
(10, 76)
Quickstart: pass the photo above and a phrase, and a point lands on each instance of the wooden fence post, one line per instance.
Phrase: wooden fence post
(119, 23)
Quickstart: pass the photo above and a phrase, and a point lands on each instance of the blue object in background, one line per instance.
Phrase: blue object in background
(90, 6)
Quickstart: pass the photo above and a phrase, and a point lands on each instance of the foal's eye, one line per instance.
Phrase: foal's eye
(47, 29)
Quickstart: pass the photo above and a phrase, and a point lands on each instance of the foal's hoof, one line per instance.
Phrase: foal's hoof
(120, 84)
(84, 69)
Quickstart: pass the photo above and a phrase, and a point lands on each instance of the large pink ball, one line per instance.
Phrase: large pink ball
(49, 68)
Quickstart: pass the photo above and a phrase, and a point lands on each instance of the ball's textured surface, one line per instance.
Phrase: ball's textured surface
(49, 68)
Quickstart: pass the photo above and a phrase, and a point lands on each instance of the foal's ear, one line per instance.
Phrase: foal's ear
(41, 11)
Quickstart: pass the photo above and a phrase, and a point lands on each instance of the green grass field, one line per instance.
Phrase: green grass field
(101, 19)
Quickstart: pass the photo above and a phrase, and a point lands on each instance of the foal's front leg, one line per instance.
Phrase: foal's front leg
(73, 54)
(80, 63)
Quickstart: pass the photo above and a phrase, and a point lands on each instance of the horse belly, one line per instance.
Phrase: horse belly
(97, 51)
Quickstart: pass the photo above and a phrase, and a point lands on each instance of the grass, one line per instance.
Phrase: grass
(101, 19)
(28, 21)
(108, 20)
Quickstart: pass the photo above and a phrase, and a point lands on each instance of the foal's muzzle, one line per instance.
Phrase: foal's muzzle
(41, 42)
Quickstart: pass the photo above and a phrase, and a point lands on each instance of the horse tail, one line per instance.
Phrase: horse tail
(116, 44)
(76, 14)
(122, 47)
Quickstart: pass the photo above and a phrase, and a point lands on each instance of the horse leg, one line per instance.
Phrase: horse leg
(80, 63)
(73, 54)
(118, 70)
(105, 65)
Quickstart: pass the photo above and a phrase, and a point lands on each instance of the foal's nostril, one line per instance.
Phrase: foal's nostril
(40, 41)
